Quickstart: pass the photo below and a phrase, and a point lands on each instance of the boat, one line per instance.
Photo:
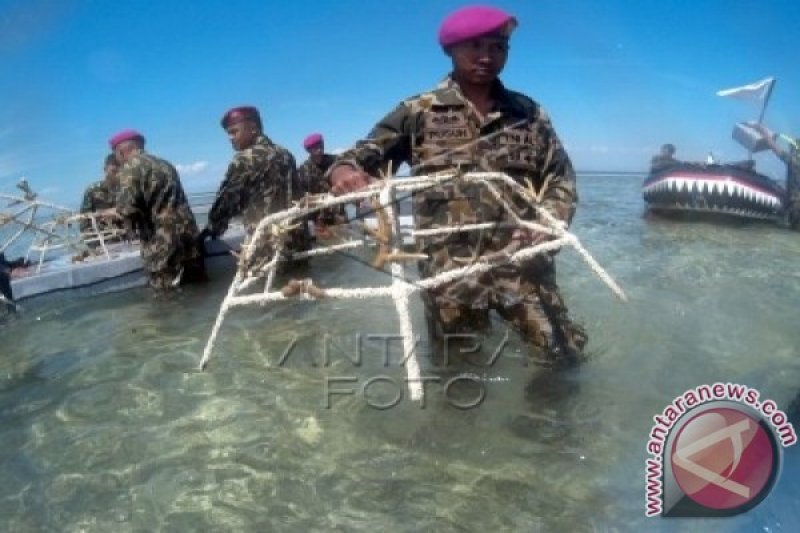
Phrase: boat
(61, 256)
(121, 269)
(732, 190)
(725, 190)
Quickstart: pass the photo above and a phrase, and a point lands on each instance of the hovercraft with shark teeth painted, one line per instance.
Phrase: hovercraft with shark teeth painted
(733, 190)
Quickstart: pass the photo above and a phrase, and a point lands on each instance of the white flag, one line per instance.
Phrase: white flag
(754, 91)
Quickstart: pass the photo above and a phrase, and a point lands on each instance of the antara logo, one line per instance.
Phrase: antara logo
(716, 450)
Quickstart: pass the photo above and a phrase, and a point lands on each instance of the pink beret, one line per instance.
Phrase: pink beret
(125, 135)
(312, 140)
(238, 114)
(474, 21)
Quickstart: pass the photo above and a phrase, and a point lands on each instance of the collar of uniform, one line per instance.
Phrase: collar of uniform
(325, 162)
(449, 93)
(263, 139)
(140, 153)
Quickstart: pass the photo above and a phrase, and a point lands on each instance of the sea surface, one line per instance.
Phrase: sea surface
(107, 425)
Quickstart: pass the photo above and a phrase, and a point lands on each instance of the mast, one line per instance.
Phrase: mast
(766, 100)
(763, 110)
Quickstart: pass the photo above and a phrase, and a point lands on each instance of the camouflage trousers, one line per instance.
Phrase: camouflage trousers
(5, 289)
(172, 277)
(300, 240)
(537, 312)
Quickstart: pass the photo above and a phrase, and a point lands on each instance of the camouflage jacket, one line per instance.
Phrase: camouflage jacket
(154, 205)
(661, 162)
(98, 196)
(311, 177)
(312, 180)
(441, 130)
(260, 180)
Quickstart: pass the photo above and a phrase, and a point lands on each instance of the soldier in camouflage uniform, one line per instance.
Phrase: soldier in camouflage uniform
(261, 179)
(153, 205)
(100, 196)
(792, 159)
(6, 273)
(311, 176)
(471, 122)
(312, 172)
(664, 159)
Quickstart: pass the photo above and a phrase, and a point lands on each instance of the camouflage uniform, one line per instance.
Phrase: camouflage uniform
(661, 162)
(440, 130)
(311, 180)
(792, 160)
(99, 196)
(154, 205)
(261, 180)
(311, 176)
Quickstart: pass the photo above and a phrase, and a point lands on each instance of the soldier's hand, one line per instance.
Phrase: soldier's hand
(111, 213)
(346, 179)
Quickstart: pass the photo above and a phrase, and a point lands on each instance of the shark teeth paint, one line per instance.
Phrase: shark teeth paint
(722, 189)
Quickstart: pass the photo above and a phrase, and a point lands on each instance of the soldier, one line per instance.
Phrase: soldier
(470, 121)
(312, 172)
(312, 180)
(153, 205)
(664, 159)
(792, 159)
(6, 273)
(100, 197)
(261, 179)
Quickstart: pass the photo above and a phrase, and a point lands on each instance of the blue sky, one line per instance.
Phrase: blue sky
(619, 78)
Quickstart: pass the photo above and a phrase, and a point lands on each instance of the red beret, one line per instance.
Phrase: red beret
(474, 21)
(312, 140)
(125, 135)
(238, 114)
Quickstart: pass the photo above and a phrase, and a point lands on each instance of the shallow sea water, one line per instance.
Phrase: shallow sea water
(106, 425)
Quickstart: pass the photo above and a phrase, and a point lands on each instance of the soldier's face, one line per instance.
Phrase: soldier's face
(124, 150)
(242, 134)
(346, 179)
(479, 61)
(316, 151)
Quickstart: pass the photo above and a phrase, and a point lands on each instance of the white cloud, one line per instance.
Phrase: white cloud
(191, 169)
